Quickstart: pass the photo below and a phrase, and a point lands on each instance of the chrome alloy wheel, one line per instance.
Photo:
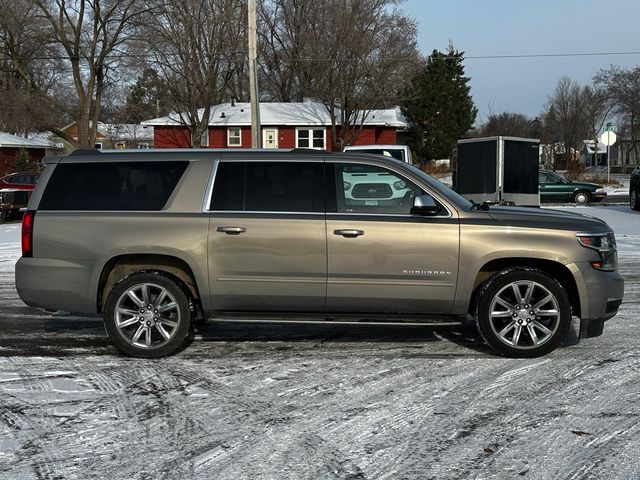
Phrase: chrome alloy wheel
(147, 315)
(524, 314)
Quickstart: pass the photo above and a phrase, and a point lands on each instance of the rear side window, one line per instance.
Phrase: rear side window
(111, 186)
(269, 187)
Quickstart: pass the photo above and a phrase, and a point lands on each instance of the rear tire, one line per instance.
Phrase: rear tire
(147, 315)
(523, 313)
(634, 201)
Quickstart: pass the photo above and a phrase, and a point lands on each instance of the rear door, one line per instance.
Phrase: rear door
(380, 257)
(267, 236)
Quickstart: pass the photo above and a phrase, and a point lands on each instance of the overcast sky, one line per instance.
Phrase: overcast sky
(520, 27)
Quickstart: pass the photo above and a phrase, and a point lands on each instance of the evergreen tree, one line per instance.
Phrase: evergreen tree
(439, 106)
(22, 160)
(148, 98)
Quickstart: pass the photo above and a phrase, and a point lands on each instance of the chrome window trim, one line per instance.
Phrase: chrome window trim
(209, 190)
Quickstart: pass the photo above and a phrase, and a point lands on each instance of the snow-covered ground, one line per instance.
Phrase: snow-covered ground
(317, 402)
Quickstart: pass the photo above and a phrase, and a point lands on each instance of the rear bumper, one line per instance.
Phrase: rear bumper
(55, 285)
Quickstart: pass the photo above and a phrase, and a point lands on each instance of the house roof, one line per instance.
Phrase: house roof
(589, 147)
(14, 141)
(120, 131)
(281, 114)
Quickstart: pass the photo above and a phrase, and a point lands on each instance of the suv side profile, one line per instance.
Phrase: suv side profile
(155, 239)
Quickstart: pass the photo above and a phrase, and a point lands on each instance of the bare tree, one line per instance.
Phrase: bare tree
(565, 120)
(88, 38)
(353, 56)
(198, 49)
(622, 88)
(509, 124)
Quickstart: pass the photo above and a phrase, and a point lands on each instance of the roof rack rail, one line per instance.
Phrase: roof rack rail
(312, 151)
(84, 152)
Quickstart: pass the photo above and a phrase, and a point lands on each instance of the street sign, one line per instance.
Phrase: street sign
(608, 138)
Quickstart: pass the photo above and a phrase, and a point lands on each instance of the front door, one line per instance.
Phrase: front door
(267, 237)
(270, 138)
(380, 257)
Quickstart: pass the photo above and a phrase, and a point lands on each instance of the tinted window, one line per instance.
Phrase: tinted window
(370, 189)
(111, 186)
(269, 187)
(228, 190)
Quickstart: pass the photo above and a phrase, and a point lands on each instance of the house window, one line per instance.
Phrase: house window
(143, 146)
(311, 138)
(204, 138)
(121, 145)
(234, 137)
(98, 146)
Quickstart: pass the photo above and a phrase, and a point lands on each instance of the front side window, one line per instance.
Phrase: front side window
(269, 187)
(314, 138)
(111, 186)
(371, 189)
(234, 137)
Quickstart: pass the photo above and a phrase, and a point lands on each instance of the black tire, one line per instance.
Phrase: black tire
(517, 332)
(581, 197)
(147, 325)
(634, 200)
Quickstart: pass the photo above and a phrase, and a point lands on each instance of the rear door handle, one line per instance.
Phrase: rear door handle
(229, 230)
(348, 232)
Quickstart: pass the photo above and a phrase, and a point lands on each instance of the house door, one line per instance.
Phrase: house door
(270, 138)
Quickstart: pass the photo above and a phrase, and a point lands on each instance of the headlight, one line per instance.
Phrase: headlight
(605, 245)
(600, 190)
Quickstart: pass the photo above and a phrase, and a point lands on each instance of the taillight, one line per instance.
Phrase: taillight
(27, 233)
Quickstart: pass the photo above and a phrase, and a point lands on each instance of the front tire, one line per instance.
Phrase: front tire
(581, 197)
(634, 201)
(523, 313)
(147, 315)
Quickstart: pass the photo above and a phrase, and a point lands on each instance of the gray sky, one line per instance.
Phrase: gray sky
(521, 27)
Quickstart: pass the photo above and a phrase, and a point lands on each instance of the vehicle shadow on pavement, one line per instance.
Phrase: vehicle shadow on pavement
(456, 340)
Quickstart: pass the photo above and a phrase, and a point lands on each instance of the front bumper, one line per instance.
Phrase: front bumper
(601, 295)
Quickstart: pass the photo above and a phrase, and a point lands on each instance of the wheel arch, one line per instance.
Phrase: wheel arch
(554, 269)
(119, 267)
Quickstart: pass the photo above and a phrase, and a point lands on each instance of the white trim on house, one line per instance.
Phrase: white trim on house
(310, 140)
(234, 137)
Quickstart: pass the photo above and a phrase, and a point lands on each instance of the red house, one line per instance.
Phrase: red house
(10, 146)
(284, 125)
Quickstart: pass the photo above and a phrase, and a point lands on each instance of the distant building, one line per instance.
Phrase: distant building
(112, 135)
(592, 155)
(10, 146)
(283, 125)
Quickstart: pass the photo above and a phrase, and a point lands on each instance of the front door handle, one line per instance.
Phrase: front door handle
(231, 230)
(348, 232)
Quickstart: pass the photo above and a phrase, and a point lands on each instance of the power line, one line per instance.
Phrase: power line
(328, 59)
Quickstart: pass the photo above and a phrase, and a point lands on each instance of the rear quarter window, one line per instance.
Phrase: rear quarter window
(111, 186)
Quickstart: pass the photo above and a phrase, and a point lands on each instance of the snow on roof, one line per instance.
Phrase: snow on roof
(589, 145)
(126, 131)
(14, 141)
(282, 114)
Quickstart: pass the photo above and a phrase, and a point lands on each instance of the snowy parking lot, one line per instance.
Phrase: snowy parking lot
(252, 401)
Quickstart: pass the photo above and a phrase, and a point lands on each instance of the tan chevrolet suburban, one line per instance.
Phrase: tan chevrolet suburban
(154, 239)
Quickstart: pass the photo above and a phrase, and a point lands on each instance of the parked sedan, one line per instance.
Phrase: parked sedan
(554, 188)
(634, 189)
(20, 181)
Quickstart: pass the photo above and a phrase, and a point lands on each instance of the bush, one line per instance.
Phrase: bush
(575, 169)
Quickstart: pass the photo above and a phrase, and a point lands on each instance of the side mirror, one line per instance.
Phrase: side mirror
(425, 205)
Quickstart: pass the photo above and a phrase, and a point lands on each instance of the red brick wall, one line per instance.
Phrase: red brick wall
(8, 159)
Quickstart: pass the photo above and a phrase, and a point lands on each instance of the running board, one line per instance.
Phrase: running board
(343, 320)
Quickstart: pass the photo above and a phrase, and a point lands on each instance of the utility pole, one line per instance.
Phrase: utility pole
(253, 76)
